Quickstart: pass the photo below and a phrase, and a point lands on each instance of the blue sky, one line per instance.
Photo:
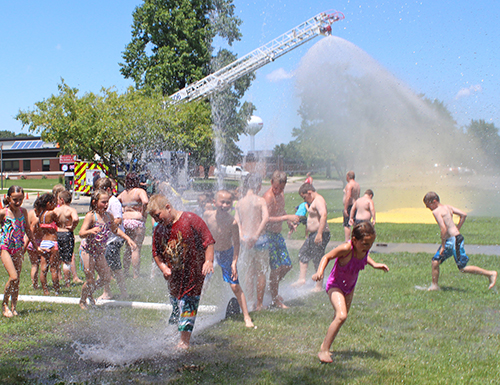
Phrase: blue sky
(445, 49)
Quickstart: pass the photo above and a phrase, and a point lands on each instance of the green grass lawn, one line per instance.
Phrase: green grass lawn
(395, 333)
(30, 184)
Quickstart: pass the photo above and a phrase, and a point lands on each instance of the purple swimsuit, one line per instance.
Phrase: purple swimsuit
(345, 277)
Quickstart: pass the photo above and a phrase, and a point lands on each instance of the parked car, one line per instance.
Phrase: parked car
(231, 172)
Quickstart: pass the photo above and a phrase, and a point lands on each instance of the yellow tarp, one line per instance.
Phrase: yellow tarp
(403, 215)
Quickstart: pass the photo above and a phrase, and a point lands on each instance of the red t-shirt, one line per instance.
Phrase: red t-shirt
(182, 247)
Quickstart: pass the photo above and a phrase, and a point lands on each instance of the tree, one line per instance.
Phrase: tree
(171, 47)
(171, 43)
(119, 129)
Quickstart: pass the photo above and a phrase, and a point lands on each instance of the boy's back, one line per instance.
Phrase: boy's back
(250, 211)
(67, 218)
(444, 217)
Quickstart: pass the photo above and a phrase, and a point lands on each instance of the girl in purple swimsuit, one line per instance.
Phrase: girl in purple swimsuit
(352, 256)
(95, 231)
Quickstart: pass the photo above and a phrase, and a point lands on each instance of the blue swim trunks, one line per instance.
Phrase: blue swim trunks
(186, 309)
(225, 260)
(278, 253)
(454, 246)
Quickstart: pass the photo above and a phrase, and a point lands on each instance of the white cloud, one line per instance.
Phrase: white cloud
(464, 92)
(278, 75)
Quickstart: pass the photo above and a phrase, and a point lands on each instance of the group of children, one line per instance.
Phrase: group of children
(185, 245)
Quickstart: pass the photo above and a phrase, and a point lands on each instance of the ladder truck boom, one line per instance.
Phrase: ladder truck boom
(317, 25)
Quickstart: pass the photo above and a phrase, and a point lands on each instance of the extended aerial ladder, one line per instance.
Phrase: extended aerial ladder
(317, 25)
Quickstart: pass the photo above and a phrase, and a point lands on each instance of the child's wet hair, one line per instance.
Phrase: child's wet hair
(44, 199)
(363, 229)
(430, 197)
(94, 198)
(12, 190)
(157, 203)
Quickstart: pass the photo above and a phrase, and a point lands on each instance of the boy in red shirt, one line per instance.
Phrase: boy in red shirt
(183, 249)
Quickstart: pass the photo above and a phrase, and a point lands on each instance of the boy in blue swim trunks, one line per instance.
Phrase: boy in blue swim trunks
(279, 259)
(183, 249)
(452, 242)
(225, 231)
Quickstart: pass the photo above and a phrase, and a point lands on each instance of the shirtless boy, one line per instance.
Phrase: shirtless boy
(452, 242)
(224, 229)
(67, 222)
(363, 210)
(314, 246)
(279, 258)
(351, 193)
(252, 216)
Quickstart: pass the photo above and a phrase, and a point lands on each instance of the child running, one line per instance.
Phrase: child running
(226, 233)
(452, 242)
(352, 257)
(95, 231)
(35, 256)
(183, 249)
(47, 222)
(13, 219)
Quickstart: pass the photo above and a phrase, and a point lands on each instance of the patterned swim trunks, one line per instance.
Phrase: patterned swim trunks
(187, 309)
(278, 253)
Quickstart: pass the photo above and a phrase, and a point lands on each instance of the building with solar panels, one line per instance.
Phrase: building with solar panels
(29, 157)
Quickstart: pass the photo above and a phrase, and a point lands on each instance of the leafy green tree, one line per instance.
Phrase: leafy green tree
(172, 46)
(119, 129)
(172, 40)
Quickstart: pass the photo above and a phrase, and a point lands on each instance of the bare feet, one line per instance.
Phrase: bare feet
(299, 283)
(493, 279)
(325, 357)
(83, 305)
(46, 292)
(14, 312)
(317, 289)
(259, 307)
(249, 323)
(278, 302)
(6, 312)
(77, 280)
(433, 287)
(182, 346)
(106, 297)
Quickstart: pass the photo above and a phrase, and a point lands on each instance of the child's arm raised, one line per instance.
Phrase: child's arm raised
(339, 252)
(376, 265)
